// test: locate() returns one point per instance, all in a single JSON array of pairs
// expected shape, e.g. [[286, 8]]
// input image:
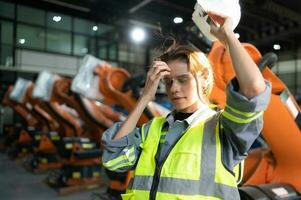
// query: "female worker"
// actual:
[[191, 153]]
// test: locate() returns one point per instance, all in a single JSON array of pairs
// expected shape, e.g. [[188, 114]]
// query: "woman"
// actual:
[[191, 153]]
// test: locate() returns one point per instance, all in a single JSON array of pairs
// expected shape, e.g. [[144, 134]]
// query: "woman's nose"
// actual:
[[174, 87]]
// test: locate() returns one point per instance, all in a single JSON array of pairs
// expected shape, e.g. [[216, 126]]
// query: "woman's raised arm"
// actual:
[[251, 82]]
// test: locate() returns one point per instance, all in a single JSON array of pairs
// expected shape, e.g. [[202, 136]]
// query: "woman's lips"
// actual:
[[177, 98]]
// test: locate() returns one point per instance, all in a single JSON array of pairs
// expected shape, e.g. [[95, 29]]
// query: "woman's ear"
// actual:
[[203, 78]]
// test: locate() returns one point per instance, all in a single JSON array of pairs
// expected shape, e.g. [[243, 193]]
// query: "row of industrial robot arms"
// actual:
[[65, 119]]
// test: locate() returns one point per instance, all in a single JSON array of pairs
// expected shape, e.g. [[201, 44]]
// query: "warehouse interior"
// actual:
[[70, 69]]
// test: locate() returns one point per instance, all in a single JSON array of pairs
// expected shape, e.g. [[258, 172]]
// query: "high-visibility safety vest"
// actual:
[[192, 170]]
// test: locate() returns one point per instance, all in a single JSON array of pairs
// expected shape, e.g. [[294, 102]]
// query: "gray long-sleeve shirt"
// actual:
[[241, 123]]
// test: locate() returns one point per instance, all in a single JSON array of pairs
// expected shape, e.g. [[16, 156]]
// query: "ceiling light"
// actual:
[[138, 34], [277, 46], [178, 20], [56, 18], [95, 28], [22, 41]]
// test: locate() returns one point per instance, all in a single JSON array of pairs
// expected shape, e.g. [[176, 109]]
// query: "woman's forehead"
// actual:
[[178, 67]]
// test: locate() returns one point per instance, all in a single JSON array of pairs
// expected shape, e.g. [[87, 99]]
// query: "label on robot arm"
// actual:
[[281, 192], [292, 107]]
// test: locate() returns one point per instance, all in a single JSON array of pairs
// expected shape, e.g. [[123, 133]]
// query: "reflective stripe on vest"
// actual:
[[197, 153]]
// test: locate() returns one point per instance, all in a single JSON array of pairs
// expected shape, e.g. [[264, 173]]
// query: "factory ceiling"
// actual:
[[263, 22]]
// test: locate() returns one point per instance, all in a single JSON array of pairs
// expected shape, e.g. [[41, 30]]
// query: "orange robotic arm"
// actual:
[[19, 109], [281, 162]]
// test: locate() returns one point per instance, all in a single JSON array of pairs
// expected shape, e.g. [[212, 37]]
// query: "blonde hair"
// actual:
[[198, 66]]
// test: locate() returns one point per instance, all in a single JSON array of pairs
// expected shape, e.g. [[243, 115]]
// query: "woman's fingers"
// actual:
[[162, 74], [225, 28], [220, 18], [160, 68], [153, 78], [157, 67], [160, 65], [158, 71], [216, 15], [216, 21], [159, 62], [159, 76]]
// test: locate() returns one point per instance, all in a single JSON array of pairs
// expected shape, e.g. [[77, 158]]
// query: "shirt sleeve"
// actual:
[[241, 123], [122, 155]]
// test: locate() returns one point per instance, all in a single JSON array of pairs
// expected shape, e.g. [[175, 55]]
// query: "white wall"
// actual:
[[37, 61], [287, 66], [289, 71], [34, 61]]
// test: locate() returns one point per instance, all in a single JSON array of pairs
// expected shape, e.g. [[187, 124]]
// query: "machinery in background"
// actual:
[[12, 132], [21, 139], [80, 155], [40, 140]]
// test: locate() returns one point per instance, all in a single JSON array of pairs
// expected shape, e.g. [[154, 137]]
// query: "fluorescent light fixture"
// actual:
[[95, 28], [277, 46], [138, 34], [237, 35], [57, 18], [178, 20], [22, 41]]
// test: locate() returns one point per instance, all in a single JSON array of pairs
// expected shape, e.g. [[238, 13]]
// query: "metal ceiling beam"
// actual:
[[258, 17], [68, 5], [175, 6], [157, 18], [139, 6], [278, 36], [247, 29], [282, 11]]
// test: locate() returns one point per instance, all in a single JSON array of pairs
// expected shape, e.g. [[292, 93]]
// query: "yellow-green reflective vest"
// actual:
[[193, 169]]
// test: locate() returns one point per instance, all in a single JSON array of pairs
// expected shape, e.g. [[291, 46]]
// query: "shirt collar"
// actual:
[[201, 114]]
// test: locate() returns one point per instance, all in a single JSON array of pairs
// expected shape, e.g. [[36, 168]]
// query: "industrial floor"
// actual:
[[18, 184]]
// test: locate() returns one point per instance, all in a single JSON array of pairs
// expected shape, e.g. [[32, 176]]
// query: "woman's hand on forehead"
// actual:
[[159, 67], [157, 71]]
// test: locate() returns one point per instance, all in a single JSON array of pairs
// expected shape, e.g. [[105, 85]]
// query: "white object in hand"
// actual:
[[230, 8]]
